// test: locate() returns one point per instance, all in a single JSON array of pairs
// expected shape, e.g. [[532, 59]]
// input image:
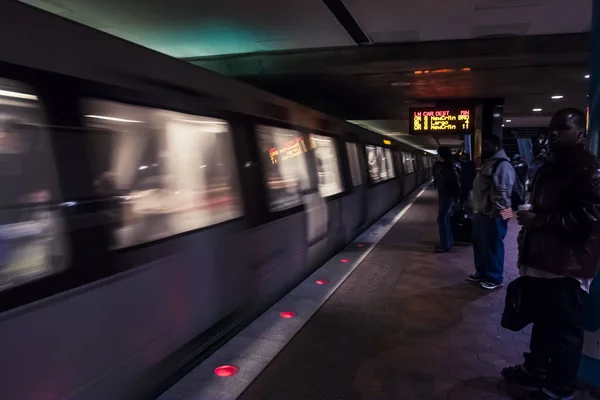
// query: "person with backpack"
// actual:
[[492, 191], [447, 182]]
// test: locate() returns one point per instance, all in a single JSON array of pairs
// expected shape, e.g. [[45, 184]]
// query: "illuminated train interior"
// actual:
[[140, 217]]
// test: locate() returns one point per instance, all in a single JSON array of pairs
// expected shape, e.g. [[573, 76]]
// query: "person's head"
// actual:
[[445, 153], [567, 128], [490, 146]]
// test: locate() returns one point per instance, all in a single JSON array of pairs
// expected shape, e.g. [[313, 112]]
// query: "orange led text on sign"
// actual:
[[441, 120]]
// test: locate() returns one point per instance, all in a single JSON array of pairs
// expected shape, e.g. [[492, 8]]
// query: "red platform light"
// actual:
[[322, 281], [225, 371], [344, 260], [287, 314], [360, 245]]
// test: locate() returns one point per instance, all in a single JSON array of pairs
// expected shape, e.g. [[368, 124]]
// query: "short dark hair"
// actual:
[[496, 140], [574, 115], [445, 153]]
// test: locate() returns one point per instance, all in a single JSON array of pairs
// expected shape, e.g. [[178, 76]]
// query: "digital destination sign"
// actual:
[[428, 121]]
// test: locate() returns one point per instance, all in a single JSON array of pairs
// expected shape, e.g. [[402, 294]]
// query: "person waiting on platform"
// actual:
[[559, 253], [446, 181], [492, 206]]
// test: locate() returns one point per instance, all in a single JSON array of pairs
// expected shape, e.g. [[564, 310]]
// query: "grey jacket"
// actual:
[[491, 194]]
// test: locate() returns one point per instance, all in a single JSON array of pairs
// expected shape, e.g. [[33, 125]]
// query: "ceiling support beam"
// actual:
[[345, 18], [374, 58]]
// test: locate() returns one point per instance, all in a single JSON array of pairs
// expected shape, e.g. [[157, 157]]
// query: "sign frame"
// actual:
[[452, 116]]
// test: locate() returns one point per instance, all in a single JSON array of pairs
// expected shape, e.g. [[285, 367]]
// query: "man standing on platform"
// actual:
[[446, 181], [492, 206], [559, 252]]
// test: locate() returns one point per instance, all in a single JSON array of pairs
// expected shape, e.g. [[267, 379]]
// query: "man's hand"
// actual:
[[525, 218]]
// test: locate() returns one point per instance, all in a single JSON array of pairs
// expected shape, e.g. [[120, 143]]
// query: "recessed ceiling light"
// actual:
[[557, 97], [496, 115], [503, 125], [587, 76], [537, 109], [509, 120], [400, 84]]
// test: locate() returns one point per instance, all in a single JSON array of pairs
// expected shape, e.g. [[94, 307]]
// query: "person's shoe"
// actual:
[[542, 394], [439, 249], [491, 285], [519, 376], [474, 278]]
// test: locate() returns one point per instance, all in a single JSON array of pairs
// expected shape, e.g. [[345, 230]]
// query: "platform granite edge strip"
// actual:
[[202, 384]]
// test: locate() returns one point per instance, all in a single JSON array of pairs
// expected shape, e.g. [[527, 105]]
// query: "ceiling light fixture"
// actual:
[[509, 120], [557, 97], [206, 122], [441, 71], [537, 110], [587, 76], [113, 119], [17, 95]]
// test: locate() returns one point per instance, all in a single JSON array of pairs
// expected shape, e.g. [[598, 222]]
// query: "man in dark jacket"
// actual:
[[448, 186], [559, 253]]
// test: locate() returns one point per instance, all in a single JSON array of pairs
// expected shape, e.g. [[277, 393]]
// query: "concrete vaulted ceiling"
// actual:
[[356, 59]]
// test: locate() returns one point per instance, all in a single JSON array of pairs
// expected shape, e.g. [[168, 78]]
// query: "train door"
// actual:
[[358, 170], [399, 171]]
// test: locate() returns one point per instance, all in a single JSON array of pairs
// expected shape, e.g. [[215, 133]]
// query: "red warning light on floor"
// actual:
[[287, 314], [360, 245], [226, 370], [344, 260], [322, 281]]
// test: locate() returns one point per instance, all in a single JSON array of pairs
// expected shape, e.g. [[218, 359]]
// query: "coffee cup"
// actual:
[[525, 207]]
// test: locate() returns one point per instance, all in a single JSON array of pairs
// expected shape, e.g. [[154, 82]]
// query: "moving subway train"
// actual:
[[148, 205]]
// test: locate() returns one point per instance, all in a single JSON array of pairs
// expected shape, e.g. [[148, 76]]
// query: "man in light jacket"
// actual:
[[492, 191]]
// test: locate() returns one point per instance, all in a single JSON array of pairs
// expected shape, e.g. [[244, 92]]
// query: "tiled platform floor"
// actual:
[[405, 325]]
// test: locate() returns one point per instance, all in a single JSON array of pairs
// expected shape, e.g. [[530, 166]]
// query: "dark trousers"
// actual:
[[557, 335], [488, 246], [445, 205]]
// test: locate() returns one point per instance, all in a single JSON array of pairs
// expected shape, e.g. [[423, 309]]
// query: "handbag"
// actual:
[[517, 307]]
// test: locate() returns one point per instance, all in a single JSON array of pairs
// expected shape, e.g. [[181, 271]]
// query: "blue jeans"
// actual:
[[445, 204], [488, 247]]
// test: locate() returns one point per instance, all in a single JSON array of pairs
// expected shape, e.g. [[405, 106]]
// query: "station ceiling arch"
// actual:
[[359, 59]]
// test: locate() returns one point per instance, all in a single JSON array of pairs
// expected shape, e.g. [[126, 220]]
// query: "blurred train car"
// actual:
[[148, 205]]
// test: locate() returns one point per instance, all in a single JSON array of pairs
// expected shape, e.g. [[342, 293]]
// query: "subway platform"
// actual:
[[402, 324]]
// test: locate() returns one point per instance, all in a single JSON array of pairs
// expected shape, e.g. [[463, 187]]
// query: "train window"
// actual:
[[408, 162], [328, 167], [354, 164], [285, 166], [379, 169], [172, 172], [32, 225], [390, 163]]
